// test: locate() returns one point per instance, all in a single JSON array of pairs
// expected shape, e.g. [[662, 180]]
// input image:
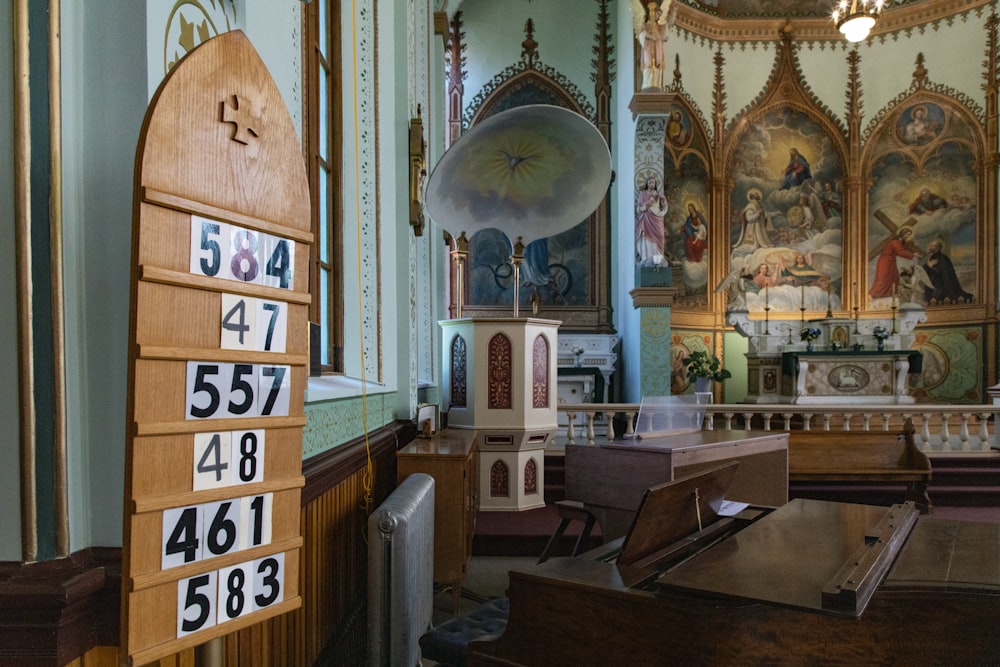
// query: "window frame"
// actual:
[[319, 160]]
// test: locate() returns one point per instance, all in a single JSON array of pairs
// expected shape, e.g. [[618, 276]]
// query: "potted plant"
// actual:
[[880, 333], [809, 334], [703, 369]]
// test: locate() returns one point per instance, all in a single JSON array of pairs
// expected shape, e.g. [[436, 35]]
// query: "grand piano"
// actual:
[[700, 581]]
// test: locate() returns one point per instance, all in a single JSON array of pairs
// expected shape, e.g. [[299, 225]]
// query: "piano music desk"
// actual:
[[610, 478]]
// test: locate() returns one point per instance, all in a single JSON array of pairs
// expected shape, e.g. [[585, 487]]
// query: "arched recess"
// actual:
[[786, 183], [674, 150], [566, 275], [931, 238]]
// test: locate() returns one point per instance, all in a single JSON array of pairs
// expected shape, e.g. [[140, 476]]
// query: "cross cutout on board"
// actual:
[[240, 114], [893, 230]]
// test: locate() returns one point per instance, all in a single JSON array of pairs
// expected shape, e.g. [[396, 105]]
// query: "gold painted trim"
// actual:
[[22, 242], [653, 297], [895, 19], [59, 457]]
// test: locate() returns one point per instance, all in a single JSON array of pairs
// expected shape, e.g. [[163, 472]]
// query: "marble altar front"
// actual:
[[848, 363]]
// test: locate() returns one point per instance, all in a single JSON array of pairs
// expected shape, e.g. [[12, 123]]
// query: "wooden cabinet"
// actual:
[[450, 458]]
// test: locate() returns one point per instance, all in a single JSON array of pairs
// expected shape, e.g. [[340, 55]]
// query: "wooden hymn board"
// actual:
[[218, 354]]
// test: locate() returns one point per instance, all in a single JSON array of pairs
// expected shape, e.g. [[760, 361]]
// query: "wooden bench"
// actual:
[[861, 456]]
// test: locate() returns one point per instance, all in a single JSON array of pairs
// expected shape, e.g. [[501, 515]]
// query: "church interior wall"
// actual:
[[104, 98], [494, 33], [10, 486], [108, 90]]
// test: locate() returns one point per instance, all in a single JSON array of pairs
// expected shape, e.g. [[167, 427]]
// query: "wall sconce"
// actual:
[[418, 172]]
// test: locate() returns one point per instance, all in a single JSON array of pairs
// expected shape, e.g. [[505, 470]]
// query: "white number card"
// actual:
[[226, 251], [200, 532], [215, 597], [253, 324], [218, 390]]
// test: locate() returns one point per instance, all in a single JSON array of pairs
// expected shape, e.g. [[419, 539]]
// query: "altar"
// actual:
[[863, 376], [849, 361]]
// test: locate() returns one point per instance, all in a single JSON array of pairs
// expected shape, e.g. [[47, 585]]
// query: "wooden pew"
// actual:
[[861, 456]]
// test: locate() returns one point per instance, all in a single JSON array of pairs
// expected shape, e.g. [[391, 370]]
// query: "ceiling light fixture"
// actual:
[[856, 18]]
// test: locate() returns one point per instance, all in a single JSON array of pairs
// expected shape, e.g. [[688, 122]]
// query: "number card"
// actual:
[[235, 591], [216, 597], [253, 324], [218, 390], [196, 603], [226, 251], [256, 515], [228, 458], [201, 532]]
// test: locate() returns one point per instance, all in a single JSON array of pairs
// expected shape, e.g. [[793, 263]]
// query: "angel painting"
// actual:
[[650, 24]]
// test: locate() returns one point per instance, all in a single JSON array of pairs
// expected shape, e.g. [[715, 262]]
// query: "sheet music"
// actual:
[[732, 508]]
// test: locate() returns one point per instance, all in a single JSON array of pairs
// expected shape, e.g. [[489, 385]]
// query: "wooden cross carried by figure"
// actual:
[[893, 230]]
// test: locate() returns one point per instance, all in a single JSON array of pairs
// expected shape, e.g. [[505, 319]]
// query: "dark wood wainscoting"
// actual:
[[65, 613]]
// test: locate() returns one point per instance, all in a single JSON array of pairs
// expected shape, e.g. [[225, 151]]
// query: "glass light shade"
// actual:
[[856, 28]]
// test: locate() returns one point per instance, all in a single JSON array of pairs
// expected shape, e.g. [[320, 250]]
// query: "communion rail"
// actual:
[[940, 428]]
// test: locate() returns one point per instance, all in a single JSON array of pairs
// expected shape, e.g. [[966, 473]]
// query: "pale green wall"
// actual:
[[104, 99], [10, 489]]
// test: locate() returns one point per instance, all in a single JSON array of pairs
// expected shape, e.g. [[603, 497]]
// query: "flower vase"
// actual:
[[578, 362], [881, 345], [809, 346], [702, 385]]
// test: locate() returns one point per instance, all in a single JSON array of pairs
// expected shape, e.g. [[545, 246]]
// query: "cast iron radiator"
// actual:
[[401, 573]]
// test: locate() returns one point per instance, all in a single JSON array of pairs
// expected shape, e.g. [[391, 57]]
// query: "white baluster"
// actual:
[[963, 431], [866, 421], [590, 426], [629, 428], [826, 421], [728, 416], [847, 421], [767, 420], [945, 434], [984, 430], [787, 416], [570, 418], [885, 421]]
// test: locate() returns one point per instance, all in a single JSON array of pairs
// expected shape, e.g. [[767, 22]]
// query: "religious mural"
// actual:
[[672, 212], [922, 211], [555, 269], [786, 221], [952, 368]]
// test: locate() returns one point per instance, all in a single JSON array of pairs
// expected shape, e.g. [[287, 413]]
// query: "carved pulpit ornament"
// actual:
[[418, 172]]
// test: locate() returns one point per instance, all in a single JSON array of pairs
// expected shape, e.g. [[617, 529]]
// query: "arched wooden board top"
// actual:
[[225, 141]]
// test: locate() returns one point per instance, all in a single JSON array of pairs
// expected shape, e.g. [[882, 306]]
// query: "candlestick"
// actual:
[[767, 311], [829, 302], [856, 319]]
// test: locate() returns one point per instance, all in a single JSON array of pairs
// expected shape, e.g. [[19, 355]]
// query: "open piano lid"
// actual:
[[810, 554], [673, 511]]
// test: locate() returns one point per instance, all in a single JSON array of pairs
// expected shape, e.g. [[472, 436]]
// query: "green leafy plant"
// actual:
[[702, 365], [810, 334]]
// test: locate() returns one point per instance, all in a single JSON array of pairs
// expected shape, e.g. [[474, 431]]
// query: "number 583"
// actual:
[[222, 595]]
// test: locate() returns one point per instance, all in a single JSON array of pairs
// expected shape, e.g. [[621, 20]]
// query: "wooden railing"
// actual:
[[940, 428]]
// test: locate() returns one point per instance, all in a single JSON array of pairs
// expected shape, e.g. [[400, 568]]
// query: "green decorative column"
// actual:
[[654, 341]]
